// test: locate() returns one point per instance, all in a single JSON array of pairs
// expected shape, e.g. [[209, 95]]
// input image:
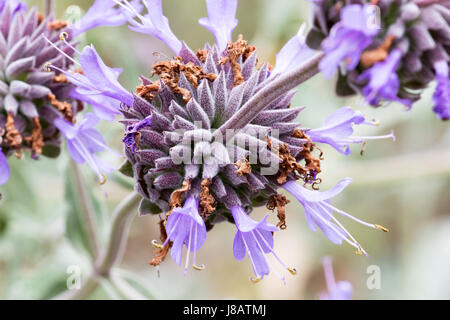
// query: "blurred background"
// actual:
[[403, 185]]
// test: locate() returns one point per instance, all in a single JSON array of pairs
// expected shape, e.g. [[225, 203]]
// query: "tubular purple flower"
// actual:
[[337, 130], [342, 290], [104, 107], [133, 131], [153, 23], [221, 20], [294, 52], [185, 227], [83, 141], [97, 78], [319, 212], [383, 80], [4, 168], [104, 13], [348, 39], [441, 97], [255, 239]]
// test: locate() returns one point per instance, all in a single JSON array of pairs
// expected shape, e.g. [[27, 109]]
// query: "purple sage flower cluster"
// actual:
[[42, 89], [184, 169], [386, 50]]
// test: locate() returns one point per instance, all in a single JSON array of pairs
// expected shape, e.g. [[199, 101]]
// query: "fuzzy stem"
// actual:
[[270, 92], [88, 211], [122, 217], [49, 6]]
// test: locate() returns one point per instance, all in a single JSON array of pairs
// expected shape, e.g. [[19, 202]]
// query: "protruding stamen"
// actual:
[[156, 244], [103, 180], [293, 271], [47, 66], [63, 36], [255, 280], [199, 268], [61, 51], [381, 228]]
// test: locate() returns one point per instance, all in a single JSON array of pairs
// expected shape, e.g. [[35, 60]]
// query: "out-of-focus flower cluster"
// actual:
[[385, 50]]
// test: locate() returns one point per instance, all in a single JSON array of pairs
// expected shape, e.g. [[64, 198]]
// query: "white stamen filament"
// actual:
[[267, 261], [345, 214], [62, 52], [356, 243], [188, 248], [332, 226], [132, 10], [63, 37], [251, 258]]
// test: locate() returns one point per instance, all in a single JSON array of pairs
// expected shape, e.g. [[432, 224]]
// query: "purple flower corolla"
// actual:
[[83, 141], [103, 13], [293, 53], [341, 290], [14, 5], [441, 97], [97, 79], [185, 227], [348, 39], [383, 80], [337, 130], [133, 131], [153, 23], [221, 20], [4, 168], [104, 107], [255, 239], [319, 212]]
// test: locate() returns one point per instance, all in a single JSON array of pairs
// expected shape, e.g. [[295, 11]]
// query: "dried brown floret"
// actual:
[[40, 17], [175, 197], [312, 163], [169, 72], [13, 137], [202, 54], [207, 201], [64, 107], [60, 78], [235, 50], [36, 140], [161, 252], [57, 25], [370, 57], [244, 167], [279, 201], [148, 92]]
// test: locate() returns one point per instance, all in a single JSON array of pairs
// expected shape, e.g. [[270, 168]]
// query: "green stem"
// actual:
[[88, 211], [49, 7], [122, 217], [274, 89]]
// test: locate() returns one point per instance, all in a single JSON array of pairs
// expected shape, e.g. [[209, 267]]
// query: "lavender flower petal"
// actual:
[[337, 130], [293, 53], [221, 20], [83, 141], [441, 97], [154, 23], [4, 168], [104, 13], [383, 80], [185, 227]]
